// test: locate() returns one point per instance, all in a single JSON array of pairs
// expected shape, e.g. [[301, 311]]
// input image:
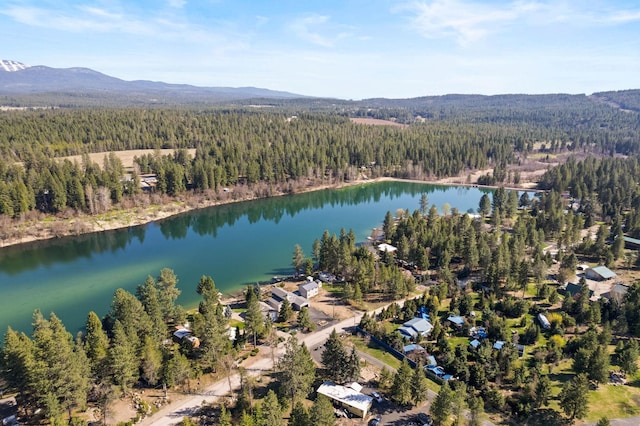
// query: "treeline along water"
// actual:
[[236, 244]]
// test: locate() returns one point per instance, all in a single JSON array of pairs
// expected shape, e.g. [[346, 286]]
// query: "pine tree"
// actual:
[[123, 363], [574, 398], [96, 343], [151, 361], [286, 311], [271, 414], [401, 388], [321, 412], [296, 370], [299, 416], [254, 319], [419, 385], [441, 409], [334, 358]]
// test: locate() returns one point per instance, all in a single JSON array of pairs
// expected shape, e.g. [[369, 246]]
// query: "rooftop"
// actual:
[[346, 395]]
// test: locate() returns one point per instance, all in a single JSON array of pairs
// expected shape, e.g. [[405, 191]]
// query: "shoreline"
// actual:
[[52, 227]]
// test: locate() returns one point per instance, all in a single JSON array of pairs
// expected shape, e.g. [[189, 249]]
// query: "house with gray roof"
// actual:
[[415, 327], [600, 273]]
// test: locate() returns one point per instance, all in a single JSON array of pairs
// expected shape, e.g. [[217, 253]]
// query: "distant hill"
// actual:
[[86, 86]]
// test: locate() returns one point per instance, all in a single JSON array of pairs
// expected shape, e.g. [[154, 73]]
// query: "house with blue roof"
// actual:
[[456, 320], [415, 327]]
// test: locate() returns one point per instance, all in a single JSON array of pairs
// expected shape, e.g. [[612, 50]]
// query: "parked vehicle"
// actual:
[[424, 419], [377, 396]]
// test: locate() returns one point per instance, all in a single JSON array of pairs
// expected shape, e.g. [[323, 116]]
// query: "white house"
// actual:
[[309, 289], [347, 397]]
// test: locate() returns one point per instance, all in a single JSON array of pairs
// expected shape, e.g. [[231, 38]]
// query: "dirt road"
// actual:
[[174, 413]]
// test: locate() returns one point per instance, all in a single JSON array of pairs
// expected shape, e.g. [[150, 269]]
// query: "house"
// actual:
[[474, 343], [412, 348], [183, 334], [326, 277], [631, 243], [309, 289], [600, 273], [384, 247], [278, 295], [499, 344], [355, 402], [415, 327], [544, 322], [574, 289], [456, 320], [617, 293]]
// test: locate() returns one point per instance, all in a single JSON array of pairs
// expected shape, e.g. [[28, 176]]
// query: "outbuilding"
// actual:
[[355, 402], [309, 289], [600, 273]]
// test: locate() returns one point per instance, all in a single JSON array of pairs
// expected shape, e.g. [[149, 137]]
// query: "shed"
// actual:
[[600, 273], [498, 344], [347, 397], [474, 343]]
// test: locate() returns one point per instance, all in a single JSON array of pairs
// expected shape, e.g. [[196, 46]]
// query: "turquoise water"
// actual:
[[236, 244]]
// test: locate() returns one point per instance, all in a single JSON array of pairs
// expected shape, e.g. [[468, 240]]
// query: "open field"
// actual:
[[376, 122], [125, 156]]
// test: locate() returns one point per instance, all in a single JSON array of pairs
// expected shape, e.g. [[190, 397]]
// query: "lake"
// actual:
[[236, 244]]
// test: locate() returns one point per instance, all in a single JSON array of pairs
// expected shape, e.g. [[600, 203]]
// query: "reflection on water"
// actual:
[[235, 243]]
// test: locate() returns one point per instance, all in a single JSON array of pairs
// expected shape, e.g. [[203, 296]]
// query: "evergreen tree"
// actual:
[[298, 258], [304, 322], [96, 343], [296, 370], [286, 311], [441, 409], [574, 398], [225, 416], [59, 376], [299, 416], [321, 413], [401, 388], [335, 358], [628, 357], [271, 412], [123, 363], [151, 365], [254, 319], [419, 385]]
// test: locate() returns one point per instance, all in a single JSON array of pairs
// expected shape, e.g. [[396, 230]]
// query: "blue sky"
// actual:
[[349, 49]]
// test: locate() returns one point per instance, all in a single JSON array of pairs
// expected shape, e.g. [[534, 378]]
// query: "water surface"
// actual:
[[236, 244]]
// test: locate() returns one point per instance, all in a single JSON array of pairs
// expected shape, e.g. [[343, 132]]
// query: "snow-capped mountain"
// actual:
[[78, 84], [6, 65]]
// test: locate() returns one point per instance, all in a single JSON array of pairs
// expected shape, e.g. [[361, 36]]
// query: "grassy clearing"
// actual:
[[376, 351]]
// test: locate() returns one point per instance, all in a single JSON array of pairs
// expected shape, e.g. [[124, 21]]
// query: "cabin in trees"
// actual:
[[183, 334], [347, 397], [384, 247], [600, 273]]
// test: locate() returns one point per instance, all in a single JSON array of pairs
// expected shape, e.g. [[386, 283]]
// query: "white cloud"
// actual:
[[315, 29], [464, 21], [467, 21], [176, 4]]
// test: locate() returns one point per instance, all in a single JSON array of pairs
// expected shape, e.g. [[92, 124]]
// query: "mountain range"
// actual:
[[18, 79]]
